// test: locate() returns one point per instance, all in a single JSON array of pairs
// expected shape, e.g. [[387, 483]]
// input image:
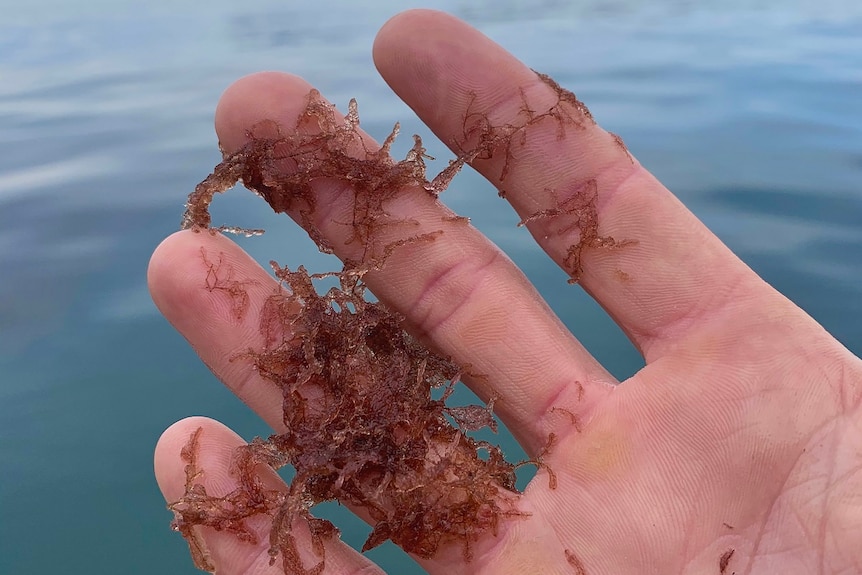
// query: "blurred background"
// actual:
[[750, 112]]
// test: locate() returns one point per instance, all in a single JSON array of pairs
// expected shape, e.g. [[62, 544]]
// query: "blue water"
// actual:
[[751, 113]]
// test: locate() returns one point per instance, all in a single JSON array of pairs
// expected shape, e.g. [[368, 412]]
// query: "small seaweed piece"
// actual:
[[581, 115], [474, 417], [219, 280], [184, 522], [482, 140], [724, 560], [575, 562], [581, 214]]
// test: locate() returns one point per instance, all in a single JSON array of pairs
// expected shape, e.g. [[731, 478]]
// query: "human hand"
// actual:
[[737, 449]]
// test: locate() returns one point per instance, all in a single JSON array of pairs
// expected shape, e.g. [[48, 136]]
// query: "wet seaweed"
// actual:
[[360, 425]]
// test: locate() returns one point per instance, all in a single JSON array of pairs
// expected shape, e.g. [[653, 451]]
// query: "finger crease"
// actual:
[[441, 302]]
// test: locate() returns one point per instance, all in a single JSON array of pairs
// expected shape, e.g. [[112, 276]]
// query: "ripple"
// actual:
[[48, 177]]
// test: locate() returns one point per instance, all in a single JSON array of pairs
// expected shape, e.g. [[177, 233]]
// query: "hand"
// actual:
[[737, 449]]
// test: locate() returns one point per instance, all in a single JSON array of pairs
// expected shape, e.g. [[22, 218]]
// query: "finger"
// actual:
[[229, 555], [459, 292], [647, 260], [190, 278]]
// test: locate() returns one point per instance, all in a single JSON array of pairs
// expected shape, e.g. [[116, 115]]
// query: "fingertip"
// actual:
[[172, 281], [409, 37], [404, 25], [181, 268], [436, 63], [275, 96], [215, 449], [163, 258], [215, 446]]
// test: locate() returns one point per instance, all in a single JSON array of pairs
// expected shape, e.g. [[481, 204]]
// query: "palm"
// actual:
[[742, 433], [695, 462]]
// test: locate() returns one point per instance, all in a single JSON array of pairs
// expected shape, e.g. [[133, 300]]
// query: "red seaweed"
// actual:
[[360, 425]]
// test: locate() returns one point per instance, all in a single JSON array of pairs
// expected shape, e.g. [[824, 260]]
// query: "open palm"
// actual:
[[737, 449]]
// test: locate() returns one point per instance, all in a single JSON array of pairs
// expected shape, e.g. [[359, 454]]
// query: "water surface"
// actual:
[[750, 112]]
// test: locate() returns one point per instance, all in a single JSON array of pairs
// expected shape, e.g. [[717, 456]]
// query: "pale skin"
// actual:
[[743, 432]]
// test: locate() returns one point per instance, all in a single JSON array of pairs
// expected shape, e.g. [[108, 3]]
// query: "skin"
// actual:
[[743, 432]]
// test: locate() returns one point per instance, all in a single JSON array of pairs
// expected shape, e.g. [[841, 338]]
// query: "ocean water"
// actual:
[[751, 113]]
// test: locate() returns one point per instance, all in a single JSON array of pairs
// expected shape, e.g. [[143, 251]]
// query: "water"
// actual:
[[750, 112]]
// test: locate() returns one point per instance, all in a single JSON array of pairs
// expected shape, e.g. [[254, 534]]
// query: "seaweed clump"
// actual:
[[361, 427], [360, 422]]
